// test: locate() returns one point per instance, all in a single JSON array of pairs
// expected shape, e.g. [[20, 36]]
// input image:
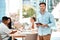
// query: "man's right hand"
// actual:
[[13, 32]]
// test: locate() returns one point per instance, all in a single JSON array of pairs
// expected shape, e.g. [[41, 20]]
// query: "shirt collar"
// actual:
[[43, 14], [3, 23]]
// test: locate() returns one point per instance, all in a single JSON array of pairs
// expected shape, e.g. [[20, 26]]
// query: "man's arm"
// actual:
[[51, 21], [7, 30]]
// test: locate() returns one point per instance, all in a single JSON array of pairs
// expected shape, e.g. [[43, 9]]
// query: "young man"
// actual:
[[4, 30], [47, 21]]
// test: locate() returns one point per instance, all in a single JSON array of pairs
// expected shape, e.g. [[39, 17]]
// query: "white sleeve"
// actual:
[[6, 30]]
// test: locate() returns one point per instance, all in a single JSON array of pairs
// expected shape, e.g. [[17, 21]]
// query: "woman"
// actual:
[[10, 27], [10, 24], [33, 25]]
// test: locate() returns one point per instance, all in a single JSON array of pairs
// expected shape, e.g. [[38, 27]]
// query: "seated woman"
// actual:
[[10, 24], [33, 25], [10, 27]]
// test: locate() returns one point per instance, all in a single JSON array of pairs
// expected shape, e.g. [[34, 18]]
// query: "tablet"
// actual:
[[39, 23]]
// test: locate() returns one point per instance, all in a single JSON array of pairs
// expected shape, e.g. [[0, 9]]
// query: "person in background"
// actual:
[[10, 27], [4, 30], [18, 26], [33, 25], [10, 24], [46, 21]]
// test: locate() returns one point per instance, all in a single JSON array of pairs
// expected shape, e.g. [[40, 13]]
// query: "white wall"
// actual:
[[12, 6]]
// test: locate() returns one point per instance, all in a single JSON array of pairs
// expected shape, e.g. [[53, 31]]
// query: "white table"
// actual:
[[22, 35]]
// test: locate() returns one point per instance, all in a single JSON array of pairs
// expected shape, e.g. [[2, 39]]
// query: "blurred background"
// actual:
[[23, 9]]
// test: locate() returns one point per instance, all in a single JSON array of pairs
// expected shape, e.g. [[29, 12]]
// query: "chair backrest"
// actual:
[[0, 37], [0, 34], [0, 21]]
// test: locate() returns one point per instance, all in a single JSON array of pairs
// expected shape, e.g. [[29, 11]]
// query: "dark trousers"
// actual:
[[46, 37], [10, 38]]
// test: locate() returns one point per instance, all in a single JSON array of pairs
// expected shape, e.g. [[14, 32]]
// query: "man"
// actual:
[[46, 21], [4, 30]]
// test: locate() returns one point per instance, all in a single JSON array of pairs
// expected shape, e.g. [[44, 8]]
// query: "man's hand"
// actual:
[[13, 32], [44, 25]]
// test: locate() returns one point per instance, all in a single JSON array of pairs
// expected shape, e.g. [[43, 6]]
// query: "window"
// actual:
[[2, 8], [28, 8], [14, 9]]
